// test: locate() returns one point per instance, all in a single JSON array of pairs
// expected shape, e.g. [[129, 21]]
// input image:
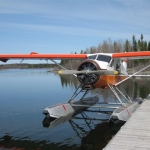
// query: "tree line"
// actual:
[[26, 66], [109, 46]]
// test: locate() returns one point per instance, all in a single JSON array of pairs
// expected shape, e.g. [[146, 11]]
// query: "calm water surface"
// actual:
[[25, 93]]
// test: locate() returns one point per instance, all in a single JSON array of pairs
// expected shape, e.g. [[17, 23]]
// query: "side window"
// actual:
[[112, 63]]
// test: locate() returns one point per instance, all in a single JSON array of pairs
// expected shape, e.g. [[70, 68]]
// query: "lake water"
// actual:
[[25, 93]]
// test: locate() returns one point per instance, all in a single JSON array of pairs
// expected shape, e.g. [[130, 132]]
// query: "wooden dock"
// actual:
[[135, 134]]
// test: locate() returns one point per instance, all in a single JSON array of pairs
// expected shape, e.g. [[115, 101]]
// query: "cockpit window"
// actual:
[[112, 63], [92, 57], [104, 58]]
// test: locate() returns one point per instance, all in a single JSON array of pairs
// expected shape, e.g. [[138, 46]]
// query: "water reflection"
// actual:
[[9, 142], [139, 87], [53, 122], [95, 132], [69, 80], [96, 139], [135, 87]]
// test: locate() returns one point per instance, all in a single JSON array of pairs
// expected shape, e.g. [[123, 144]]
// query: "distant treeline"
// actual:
[[26, 66], [109, 46]]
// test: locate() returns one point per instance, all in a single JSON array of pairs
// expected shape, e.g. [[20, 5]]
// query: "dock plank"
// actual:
[[135, 134]]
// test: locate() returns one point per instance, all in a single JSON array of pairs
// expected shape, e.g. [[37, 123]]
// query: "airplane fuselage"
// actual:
[[101, 61]]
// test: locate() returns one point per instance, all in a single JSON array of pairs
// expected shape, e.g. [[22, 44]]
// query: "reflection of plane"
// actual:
[[100, 70], [94, 132], [54, 120]]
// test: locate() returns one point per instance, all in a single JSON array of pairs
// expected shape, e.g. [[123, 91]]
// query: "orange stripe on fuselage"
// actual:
[[108, 79]]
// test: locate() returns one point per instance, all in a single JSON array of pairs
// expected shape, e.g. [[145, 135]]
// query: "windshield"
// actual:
[[104, 58], [92, 57]]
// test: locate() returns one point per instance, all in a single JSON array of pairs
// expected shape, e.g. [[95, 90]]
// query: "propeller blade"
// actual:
[[105, 72], [71, 71]]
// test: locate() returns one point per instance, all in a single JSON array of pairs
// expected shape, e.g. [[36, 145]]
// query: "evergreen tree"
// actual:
[[127, 46], [85, 52], [81, 51], [148, 46], [145, 46], [91, 50], [134, 48], [115, 46], [142, 37], [139, 45], [134, 44]]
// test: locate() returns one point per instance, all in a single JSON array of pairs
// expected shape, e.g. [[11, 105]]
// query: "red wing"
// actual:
[[132, 55], [33, 55]]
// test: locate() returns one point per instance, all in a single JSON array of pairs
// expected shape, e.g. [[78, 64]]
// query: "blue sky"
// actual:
[[67, 26]]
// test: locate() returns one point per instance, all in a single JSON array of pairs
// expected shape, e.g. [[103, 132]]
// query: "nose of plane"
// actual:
[[90, 65]]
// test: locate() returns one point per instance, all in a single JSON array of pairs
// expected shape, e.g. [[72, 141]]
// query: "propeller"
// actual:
[[100, 72]]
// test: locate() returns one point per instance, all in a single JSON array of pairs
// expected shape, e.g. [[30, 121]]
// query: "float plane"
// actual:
[[99, 70]]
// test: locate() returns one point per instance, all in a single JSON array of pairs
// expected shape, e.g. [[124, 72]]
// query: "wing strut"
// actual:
[[77, 93], [61, 66], [115, 89], [132, 75], [116, 94], [128, 99], [58, 64]]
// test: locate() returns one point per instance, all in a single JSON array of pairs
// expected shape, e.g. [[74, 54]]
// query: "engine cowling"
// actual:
[[88, 79]]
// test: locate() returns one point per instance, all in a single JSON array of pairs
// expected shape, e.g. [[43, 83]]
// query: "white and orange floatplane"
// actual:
[[99, 70]]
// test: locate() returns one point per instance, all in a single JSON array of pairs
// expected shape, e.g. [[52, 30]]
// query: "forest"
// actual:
[[109, 46], [26, 66]]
